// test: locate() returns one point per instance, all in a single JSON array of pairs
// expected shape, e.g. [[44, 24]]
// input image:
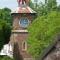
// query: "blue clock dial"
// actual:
[[24, 22]]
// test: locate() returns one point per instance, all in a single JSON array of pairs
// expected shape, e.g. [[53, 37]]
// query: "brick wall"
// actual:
[[19, 53], [16, 20], [17, 38]]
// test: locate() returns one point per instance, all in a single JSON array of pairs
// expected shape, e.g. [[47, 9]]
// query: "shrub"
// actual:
[[42, 31]]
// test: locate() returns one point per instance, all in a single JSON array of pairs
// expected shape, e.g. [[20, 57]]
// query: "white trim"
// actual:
[[31, 11], [23, 46], [19, 30], [7, 50]]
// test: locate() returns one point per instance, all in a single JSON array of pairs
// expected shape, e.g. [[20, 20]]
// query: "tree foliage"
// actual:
[[31, 4], [5, 26], [42, 32], [52, 4], [5, 58], [5, 14], [45, 8], [58, 8], [5, 31]]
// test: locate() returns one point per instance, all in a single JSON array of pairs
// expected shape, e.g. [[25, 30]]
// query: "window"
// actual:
[[24, 46]]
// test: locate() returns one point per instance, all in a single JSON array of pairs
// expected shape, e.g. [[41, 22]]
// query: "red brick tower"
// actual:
[[22, 18]]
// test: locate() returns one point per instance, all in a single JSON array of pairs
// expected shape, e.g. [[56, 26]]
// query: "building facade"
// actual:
[[22, 18]]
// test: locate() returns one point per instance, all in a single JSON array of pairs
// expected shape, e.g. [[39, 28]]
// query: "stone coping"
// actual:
[[18, 31]]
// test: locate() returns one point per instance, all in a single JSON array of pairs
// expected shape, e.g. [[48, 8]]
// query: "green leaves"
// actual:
[[5, 31], [42, 32], [52, 4], [5, 26], [5, 14], [5, 58]]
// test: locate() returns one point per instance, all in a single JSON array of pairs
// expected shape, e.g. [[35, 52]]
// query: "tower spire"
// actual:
[[22, 2]]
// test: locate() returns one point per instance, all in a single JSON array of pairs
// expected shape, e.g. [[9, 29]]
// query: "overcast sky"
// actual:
[[12, 4]]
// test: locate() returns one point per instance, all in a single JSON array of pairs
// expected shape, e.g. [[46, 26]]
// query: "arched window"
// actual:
[[24, 46]]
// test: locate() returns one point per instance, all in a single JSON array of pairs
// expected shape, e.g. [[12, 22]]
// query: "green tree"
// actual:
[[58, 8], [42, 32], [36, 3], [46, 1], [31, 4], [5, 31], [44, 9], [5, 58], [41, 9], [52, 4], [5, 14]]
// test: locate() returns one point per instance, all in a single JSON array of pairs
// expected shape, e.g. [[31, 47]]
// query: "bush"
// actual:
[[42, 31], [5, 58]]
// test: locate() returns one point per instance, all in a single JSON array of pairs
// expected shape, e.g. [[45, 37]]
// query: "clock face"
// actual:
[[24, 22]]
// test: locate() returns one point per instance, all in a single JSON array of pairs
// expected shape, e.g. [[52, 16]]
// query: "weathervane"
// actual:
[[22, 2]]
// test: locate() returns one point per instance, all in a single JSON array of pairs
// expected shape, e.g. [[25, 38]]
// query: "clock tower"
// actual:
[[22, 18]]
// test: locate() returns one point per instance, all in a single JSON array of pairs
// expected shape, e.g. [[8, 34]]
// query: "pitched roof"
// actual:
[[23, 9]]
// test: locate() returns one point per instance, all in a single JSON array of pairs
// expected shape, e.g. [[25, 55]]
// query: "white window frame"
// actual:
[[23, 46]]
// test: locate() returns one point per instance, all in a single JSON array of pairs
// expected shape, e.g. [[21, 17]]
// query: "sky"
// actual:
[[12, 4]]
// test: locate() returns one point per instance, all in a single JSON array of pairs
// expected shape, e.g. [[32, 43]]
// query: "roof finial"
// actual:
[[22, 2]]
